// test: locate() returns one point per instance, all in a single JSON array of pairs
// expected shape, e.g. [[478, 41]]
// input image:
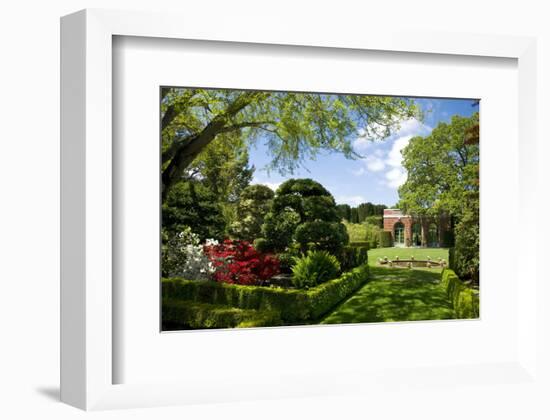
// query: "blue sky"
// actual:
[[377, 176]]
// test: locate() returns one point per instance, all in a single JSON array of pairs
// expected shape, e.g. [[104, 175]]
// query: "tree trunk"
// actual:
[[187, 152]]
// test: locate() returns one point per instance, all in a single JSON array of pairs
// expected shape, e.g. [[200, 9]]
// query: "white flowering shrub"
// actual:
[[183, 256]]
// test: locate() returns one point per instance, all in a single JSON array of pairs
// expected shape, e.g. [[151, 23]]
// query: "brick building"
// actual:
[[408, 230]]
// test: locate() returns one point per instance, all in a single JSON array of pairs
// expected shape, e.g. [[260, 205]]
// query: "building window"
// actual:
[[399, 233]]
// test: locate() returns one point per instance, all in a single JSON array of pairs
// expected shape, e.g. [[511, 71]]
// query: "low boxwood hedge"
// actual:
[[465, 300], [294, 306], [187, 314]]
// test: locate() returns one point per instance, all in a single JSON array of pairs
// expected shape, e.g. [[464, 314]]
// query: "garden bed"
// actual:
[[294, 306]]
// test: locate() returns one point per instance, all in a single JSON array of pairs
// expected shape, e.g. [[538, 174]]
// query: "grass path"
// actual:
[[396, 294]]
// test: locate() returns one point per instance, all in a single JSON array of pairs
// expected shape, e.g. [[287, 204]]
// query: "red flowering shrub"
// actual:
[[238, 262]]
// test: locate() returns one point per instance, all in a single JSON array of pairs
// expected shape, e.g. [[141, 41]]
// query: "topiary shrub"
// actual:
[[385, 240], [305, 212], [321, 235], [314, 268]]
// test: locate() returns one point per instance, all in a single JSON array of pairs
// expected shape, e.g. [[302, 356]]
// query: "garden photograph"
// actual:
[[283, 208]]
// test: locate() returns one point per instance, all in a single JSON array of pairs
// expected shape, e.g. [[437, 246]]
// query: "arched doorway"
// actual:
[[399, 234], [433, 235], [416, 234]]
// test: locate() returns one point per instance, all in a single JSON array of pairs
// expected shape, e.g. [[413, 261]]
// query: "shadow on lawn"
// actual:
[[395, 294]]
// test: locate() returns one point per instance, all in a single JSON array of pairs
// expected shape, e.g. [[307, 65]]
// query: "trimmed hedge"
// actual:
[[353, 256], [204, 315], [386, 240], [359, 244], [294, 306], [323, 298], [465, 300]]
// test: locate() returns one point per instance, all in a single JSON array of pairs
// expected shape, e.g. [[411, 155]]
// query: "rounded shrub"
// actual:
[[305, 212], [319, 234], [314, 268]]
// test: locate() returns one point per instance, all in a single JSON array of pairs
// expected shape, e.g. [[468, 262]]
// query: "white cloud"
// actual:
[[413, 127], [380, 157], [396, 177], [272, 185], [359, 172], [362, 144], [395, 156], [352, 200], [374, 163]]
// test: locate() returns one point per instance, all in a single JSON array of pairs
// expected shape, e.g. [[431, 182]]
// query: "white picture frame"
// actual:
[[86, 205]]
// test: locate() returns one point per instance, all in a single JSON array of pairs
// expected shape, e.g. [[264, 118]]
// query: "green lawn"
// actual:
[[406, 253], [397, 294]]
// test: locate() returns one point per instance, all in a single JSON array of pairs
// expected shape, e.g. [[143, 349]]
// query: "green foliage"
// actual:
[[443, 169], [278, 228], [377, 221], [191, 204], [356, 231], [385, 240], [364, 232], [359, 244], [372, 235], [261, 245], [223, 167], [323, 298], [395, 295], [443, 178], [321, 235], [448, 239], [465, 255], [344, 211], [286, 261], [183, 255], [303, 211], [296, 126], [369, 210], [353, 256], [465, 300], [314, 268], [254, 203], [295, 306], [192, 315]]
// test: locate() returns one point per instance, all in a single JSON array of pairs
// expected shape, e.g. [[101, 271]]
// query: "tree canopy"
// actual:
[[443, 177], [296, 126], [442, 168]]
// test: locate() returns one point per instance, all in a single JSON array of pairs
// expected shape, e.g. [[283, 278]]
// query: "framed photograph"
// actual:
[[241, 219]]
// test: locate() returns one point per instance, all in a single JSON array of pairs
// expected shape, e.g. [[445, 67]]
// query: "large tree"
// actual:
[[442, 168], [295, 125], [443, 177]]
